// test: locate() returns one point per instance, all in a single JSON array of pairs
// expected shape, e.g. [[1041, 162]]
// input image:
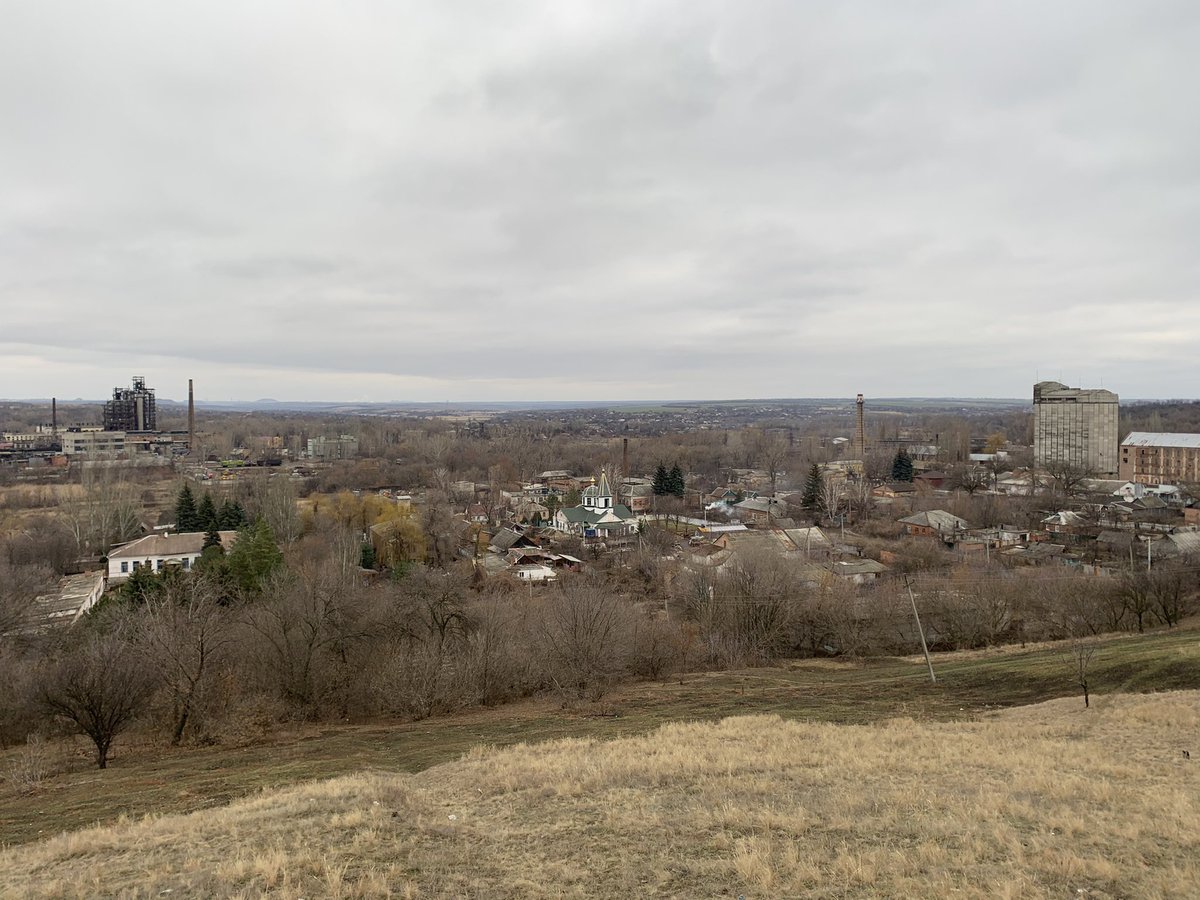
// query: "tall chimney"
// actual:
[[624, 457], [191, 419], [54, 415], [860, 432]]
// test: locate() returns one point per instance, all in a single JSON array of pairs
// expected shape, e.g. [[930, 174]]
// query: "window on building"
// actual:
[[124, 567]]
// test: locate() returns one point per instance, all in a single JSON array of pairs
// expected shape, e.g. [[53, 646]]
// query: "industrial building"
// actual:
[[1158, 458], [93, 442], [1077, 426], [131, 409], [342, 447]]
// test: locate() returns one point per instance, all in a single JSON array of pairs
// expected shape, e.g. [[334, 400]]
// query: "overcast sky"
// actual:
[[459, 200]]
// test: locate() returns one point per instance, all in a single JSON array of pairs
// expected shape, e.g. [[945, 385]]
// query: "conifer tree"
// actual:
[[675, 483], [661, 484], [231, 516], [206, 510], [187, 518], [254, 555], [212, 538], [812, 487], [902, 467]]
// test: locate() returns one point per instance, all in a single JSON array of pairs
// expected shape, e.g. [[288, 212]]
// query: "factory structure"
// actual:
[[128, 428], [131, 409]]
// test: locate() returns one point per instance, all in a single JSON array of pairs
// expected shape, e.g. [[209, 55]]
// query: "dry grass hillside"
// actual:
[[1049, 800]]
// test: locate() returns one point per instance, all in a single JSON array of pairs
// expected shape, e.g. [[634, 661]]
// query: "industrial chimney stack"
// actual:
[[54, 415], [860, 431], [191, 418]]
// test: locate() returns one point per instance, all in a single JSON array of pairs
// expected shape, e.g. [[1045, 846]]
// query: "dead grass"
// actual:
[[1051, 800]]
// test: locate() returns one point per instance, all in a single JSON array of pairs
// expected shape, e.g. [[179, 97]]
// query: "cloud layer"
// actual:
[[519, 200]]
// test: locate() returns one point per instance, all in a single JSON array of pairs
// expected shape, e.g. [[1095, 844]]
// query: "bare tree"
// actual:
[[100, 687], [275, 500], [1171, 597], [769, 451], [1079, 654], [832, 498], [105, 512], [1066, 477], [584, 637], [185, 631], [19, 587], [968, 478]]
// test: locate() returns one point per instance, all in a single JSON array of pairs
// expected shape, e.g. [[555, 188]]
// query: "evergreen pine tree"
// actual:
[[367, 555], [675, 483], [254, 555], [142, 586], [661, 481], [212, 538], [187, 519], [902, 467], [813, 484], [206, 510], [231, 516]]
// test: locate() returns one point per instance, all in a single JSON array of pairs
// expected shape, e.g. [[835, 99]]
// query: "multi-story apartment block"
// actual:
[[1076, 426], [1157, 458]]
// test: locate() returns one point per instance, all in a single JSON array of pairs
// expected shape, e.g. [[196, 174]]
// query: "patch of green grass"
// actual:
[[144, 781]]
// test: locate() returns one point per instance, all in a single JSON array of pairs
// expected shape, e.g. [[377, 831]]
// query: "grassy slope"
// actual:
[[158, 781], [1050, 800]]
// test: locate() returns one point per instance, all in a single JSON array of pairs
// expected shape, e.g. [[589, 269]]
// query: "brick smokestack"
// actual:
[[54, 415], [624, 457], [860, 431], [191, 418]]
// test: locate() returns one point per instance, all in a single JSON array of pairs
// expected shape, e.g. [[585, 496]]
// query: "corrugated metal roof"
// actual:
[[1161, 439]]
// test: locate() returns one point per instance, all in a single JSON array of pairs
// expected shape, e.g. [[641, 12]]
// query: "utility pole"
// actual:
[[920, 630]]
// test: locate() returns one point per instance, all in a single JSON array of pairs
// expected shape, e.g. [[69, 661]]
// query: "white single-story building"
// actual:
[[536, 573], [157, 551]]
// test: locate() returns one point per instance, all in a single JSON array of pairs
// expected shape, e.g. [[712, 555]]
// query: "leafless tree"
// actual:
[[832, 498], [1172, 593], [105, 512], [584, 637], [1080, 653], [185, 631], [100, 687], [19, 587], [1137, 596], [275, 499], [967, 478], [1066, 477], [769, 450]]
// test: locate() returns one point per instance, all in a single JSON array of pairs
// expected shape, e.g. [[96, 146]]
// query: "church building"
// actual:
[[597, 515]]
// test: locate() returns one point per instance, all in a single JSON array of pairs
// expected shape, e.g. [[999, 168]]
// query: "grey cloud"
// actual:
[[395, 202]]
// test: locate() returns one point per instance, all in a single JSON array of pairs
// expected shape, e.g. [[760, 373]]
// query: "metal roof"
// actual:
[[1161, 439]]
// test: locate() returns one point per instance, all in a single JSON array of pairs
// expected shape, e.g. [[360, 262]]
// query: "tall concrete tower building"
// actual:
[[1075, 425]]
